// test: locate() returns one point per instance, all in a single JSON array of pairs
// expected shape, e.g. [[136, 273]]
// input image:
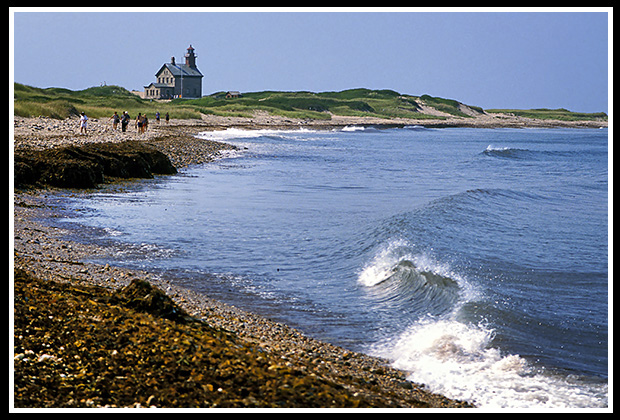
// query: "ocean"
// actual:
[[474, 259]]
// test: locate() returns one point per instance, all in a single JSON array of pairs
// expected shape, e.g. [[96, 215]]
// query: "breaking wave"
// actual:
[[509, 152], [454, 356], [238, 133], [399, 277], [459, 361]]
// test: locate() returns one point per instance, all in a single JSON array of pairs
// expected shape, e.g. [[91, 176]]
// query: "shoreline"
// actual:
[[45, 132], [45, 252]]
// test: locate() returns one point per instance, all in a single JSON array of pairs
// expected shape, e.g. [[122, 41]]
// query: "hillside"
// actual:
[[559, 114], [386, 104], [103, 101], [96, 102]]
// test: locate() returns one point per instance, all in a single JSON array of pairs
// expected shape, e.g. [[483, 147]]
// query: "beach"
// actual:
[[43, 132], [43, 253]]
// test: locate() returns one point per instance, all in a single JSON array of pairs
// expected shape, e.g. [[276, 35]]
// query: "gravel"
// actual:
[[307, 370]]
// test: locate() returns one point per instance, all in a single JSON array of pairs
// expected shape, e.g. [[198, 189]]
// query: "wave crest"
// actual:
[[508, 152], [399, 278]]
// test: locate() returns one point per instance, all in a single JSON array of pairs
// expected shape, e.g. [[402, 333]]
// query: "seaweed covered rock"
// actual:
[[78, 346], [88, 165], [141, 296]]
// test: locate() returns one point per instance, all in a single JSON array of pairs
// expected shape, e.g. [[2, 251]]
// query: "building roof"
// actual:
[[179, 70], [158, 85]]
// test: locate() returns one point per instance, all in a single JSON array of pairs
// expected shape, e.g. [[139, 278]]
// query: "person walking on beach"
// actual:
[[83, 122], [115, 120], [139, 121], [145, 123], [125, 121], [157, 117], [167, 118]]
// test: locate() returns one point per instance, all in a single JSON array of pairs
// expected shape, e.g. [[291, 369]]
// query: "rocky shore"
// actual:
[[83, 337], [94, 335]]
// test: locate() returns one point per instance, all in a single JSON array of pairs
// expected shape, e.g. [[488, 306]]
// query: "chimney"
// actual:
[[172, 61]]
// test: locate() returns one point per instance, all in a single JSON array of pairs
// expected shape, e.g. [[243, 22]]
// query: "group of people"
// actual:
[[141, 122]]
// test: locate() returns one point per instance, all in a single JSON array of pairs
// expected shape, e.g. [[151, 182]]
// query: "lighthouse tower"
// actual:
[[176, 80], [190, 57]]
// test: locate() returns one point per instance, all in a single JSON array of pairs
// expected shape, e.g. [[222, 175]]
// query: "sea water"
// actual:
[[474, 259]]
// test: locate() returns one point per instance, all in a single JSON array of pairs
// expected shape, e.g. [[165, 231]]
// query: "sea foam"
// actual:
[[459, 361], [458, 358]]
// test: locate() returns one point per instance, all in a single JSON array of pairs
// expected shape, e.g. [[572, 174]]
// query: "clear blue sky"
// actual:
[[505, 59]]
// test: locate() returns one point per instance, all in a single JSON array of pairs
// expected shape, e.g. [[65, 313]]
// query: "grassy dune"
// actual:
[[99, 102]]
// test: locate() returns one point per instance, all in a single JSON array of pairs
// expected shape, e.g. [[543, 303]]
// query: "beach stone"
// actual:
[[112, 351], [144, 297], [87, 165]]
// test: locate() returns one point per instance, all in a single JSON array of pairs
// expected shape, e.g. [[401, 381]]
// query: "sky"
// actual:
[[485, 57]]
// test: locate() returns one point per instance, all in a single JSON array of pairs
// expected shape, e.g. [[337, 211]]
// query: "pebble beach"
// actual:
[[64, 355], [280, 366]]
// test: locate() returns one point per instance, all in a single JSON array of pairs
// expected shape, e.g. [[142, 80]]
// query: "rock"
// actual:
[[142, 296], [88, 165]]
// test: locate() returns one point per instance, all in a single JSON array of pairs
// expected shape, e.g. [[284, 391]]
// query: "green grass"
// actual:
[[353, 102], [96, 102], [102, 101], [560, 114]]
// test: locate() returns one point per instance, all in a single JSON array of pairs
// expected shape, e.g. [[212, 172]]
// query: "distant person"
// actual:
[[83, 123], [139, 121], [145, 123], [157, 117], [167, 118], [115, 120], [125, 121]]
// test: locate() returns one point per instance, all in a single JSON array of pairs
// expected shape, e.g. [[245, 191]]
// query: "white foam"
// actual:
[[353, 128], [415, 127], [112, 232], [491, 148], [381, 267], [229, 134], [456, 360], [238, 133]]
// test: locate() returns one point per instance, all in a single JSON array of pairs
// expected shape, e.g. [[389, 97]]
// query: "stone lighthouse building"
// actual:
[[176, 80]]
